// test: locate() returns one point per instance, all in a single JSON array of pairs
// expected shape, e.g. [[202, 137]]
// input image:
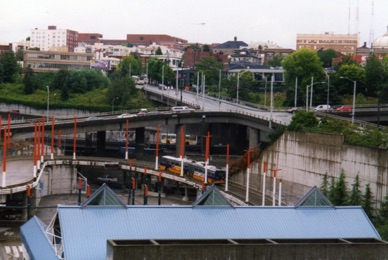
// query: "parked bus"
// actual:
[[171, 139]]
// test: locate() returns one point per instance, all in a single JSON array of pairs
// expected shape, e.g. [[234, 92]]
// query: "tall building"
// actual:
[[53, 38], [343, 43]]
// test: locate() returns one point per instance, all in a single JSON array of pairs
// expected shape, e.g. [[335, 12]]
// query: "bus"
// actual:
[[138, 80], [171, 139]]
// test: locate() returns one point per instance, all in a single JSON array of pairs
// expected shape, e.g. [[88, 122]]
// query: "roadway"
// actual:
[[208, 103]]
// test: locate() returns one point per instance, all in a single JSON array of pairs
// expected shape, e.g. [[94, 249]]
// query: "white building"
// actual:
[[47, 39]]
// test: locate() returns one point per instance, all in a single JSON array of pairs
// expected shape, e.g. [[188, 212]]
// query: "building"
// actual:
[[45, 61], [160, 39], [47, 39], [343, 43], [228, 48], [379, 48], [89, 38], [103, 227], [269, 53]]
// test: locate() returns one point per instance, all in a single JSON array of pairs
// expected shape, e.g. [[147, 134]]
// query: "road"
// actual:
[[213, 104]]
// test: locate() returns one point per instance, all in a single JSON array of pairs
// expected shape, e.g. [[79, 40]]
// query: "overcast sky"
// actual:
[[206, 21]]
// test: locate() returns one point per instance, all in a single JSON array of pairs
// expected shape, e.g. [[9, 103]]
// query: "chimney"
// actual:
[[235, 38], [52, 27]]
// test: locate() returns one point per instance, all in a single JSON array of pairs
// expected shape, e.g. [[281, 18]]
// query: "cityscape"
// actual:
[[173, 130]]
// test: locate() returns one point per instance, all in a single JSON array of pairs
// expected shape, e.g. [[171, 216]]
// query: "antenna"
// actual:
[[357, 15], [349, 19], [371, 32]]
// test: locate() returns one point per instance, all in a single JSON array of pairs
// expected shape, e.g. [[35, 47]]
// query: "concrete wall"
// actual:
[[58, 179], [304, 158]]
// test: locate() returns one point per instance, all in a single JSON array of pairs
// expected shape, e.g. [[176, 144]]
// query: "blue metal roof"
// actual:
[[86, 230], [35, 240]]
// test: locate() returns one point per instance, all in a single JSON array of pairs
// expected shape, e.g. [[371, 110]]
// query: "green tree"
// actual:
[[60, 79], [347, 75], [77, 82], [375, 75], [206, 48], [367, 204], [130, 66], [327, 56], [276, 60], [159, 51], [303, 120], [325, 185], [10, 67], [160, 71], [355, 197], [383, 211], [210, 66], [123, 90], [28, 81], [64, 93], [302, 64], [332, 190], [340, 191]]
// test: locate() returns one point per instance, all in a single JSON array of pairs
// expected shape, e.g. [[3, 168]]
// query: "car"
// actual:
[[292, 109], [181, 109], [162, 87], [91, 118], [126, 115], [323, 108], [142, 112], [344, 109]]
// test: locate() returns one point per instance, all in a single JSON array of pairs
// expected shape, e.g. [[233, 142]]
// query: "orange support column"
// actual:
[[75, 138], [52, 138]]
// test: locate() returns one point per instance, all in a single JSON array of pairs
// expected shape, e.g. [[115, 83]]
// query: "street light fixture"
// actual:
[[307, 94], [354, 96], [48, 102], [238, 82], [113, 103]]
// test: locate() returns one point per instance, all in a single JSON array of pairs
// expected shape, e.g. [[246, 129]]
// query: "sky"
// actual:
[[204, 21]]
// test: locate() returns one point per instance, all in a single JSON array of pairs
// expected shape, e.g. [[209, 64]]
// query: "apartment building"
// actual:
[[51, 38], [45, 61], [342, 43]]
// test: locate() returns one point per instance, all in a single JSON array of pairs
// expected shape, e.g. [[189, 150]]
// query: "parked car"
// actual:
[[323, 108], [126, 115], [142, 112], [344, 109], [181, 109], [162, 87], [292, 109]]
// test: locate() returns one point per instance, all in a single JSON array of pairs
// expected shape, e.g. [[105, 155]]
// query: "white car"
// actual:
[[125, 115], [323, 108]]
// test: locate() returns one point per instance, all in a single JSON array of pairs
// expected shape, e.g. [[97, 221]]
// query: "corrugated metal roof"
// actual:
[[86, 230], [35, 241]]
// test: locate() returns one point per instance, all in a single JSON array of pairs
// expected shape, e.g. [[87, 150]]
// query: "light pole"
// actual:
[[48, 102], [307, 94], [354, 96], [113, 103], [328, 89], [219, 88], [238, 82], [271, 103]]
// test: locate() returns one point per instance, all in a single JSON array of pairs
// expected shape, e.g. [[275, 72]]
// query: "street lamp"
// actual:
[[48, 102], [238, 82], [307, 94], [113, 103], [328, 89], [354, 96]]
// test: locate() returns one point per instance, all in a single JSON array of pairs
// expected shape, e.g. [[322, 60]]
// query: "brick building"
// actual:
[[342, 43], [46, 39]]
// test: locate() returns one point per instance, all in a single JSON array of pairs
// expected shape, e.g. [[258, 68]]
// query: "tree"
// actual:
[[375, 75], [340, 191], [206, 48], [368, 202], [28, 81], [327, 56], [355, 197], [325, 185], [130, 66], [210, 66], [123, 89], [276, 60], [302, 64], [352, 72], [303, 120], [10, 67], [383, 211], [332, 190], [159, 51]]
